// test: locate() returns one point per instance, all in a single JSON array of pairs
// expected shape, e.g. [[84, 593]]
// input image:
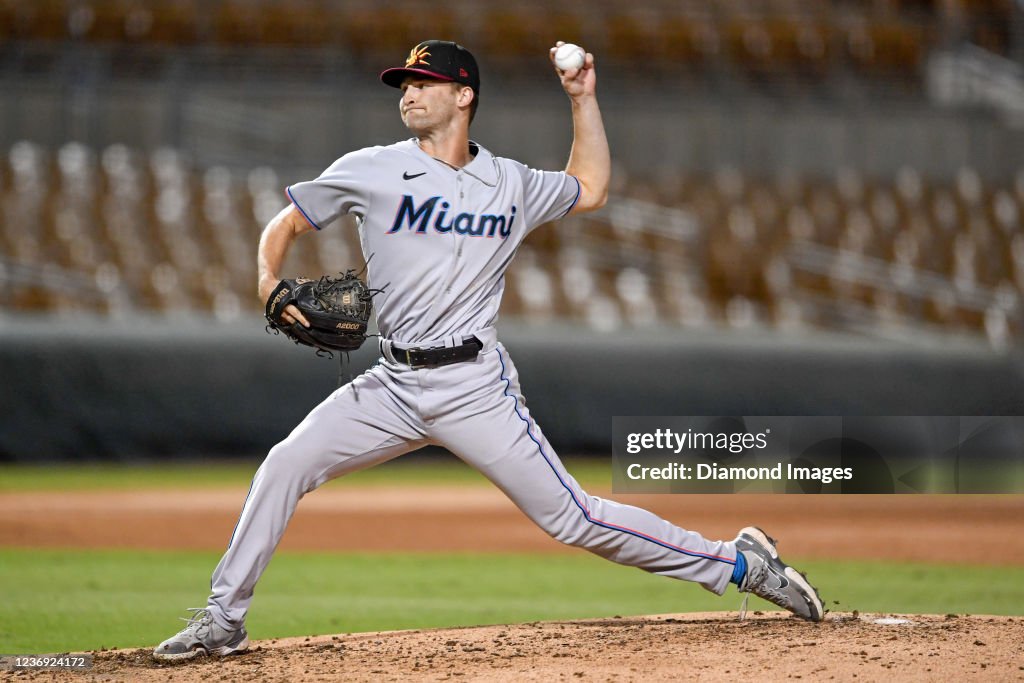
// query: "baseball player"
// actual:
[[442, 218]]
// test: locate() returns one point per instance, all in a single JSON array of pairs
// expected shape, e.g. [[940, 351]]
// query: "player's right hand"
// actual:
[[576, 82]]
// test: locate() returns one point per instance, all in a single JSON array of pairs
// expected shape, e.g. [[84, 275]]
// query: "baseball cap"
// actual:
[[441, 59]]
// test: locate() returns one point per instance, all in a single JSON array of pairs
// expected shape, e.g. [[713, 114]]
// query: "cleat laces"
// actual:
[[199, 620], [754, 582]]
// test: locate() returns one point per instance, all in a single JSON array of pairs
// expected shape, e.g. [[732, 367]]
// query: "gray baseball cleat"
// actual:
[[770, 578], [202, 636]]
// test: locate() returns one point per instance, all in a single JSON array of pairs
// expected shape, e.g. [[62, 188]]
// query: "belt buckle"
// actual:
[[408, 361]]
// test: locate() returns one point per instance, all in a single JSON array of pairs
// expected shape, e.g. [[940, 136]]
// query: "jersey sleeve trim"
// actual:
[[291, 198], [579, 191]]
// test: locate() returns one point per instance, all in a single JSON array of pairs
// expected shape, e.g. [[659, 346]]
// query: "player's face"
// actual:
[[427, 104]]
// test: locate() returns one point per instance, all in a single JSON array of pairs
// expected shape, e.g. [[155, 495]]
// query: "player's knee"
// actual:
[[572, 535], [569, 525], [283, 462]]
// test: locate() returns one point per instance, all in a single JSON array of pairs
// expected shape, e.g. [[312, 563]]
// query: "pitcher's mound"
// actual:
[[709, 646]]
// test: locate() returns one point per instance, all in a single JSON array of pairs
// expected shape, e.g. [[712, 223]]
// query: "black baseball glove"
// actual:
[[338, 310]]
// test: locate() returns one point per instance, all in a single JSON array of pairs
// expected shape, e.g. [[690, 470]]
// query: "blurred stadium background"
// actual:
[[783, 167]]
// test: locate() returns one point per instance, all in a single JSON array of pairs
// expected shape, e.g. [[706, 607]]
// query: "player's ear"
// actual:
[[465, 96]]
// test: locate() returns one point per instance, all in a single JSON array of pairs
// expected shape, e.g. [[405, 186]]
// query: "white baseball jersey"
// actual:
[[439, 239]]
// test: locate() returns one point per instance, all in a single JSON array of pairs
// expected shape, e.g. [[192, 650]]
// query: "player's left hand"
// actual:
[[576, 82]]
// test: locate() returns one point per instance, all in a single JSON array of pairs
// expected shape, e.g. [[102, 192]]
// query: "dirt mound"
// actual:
[[709, 647]]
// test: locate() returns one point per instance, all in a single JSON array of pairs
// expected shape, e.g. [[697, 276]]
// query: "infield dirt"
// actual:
[[481, 519], [707, 647]]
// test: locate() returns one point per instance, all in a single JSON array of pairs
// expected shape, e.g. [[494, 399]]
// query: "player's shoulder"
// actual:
[[396, 150], [528, 174], [396, 153], [371, 156], [356, 157], [512, 168], [507, 163], [514, 165]]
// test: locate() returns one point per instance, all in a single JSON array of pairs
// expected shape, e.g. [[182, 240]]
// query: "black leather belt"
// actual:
[[437, 356]]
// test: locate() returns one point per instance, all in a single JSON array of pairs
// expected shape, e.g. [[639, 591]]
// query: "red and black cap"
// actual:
[[441, 59]]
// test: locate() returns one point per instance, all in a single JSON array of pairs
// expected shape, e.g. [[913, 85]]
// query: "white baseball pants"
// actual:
[[475, 410]]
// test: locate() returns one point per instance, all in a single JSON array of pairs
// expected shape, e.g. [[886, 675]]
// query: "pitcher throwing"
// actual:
[[442, 219]]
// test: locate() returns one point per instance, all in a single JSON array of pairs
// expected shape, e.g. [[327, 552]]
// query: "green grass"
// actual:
[[58, 600], [410, 471]]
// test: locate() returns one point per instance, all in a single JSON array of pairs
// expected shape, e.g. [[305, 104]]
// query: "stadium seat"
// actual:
[[634, 293], [45, 20], [237, 22], [305, 23], [1004, 211], [566, 24], [811, 45], [683, 299], [687, 41], [990, 24], [7, 22], [825, 211], [885, 210], [139, 22], [393, 30], [631, 39], [174, 238], [173, 22], [506, 34], [886, 48], [751, 45], [100, 20]]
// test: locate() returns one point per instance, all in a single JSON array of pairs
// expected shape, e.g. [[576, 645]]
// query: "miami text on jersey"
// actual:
[[484, 225]]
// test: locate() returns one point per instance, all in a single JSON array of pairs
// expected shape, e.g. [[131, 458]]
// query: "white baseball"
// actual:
[[569, 57]]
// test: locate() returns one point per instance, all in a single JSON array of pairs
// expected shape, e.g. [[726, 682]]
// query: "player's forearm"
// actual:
[[590, 159], [275, 242]]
